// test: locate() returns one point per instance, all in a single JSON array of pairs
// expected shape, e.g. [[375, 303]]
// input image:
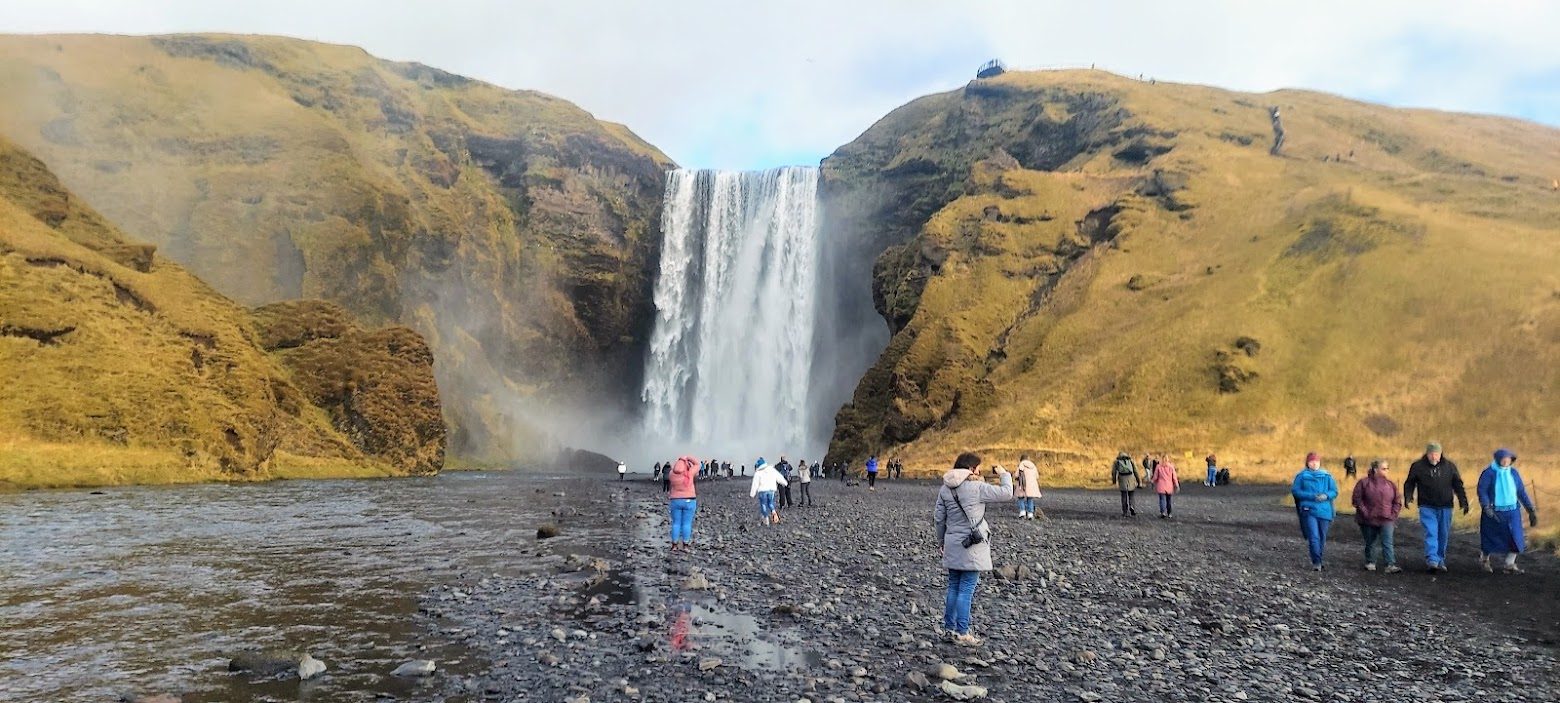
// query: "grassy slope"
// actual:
[[510, 227], [1405, 293]]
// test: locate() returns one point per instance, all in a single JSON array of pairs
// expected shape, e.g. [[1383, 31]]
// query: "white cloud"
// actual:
[[745, 84]]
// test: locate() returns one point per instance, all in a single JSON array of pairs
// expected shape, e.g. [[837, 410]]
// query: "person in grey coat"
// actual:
[[964, 538]]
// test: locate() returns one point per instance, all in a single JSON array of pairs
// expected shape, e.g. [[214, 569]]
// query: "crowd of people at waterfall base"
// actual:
[[964, 536]]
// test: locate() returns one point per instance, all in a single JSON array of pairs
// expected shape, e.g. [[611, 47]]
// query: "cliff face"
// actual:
[[1070, 263], [511, 228], [119, 366]]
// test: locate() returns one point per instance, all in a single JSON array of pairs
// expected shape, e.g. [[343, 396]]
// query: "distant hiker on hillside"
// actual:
[[1165, 483], [1213, 470], [804, 477], [1500, 493], [1125, 475], [1026, 487], [1314, 491], [1437, 482], [1349, 466], [684, 502], [872, 471], [963, 537], [766, 481], [785, 469], [1377, 503]]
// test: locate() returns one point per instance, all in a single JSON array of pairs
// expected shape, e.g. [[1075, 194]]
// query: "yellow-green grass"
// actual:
[[28, 465]]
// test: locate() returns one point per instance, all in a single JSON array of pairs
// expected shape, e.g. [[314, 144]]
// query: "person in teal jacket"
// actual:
[[1314, 490]]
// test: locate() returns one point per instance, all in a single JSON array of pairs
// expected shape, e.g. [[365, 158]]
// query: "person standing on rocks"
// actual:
[[804, 477], [766, 481], [1350, 467], [785, 469], [684, 502], [1377, 503], [872, 471], [959, 518], [1125, 475], [622, 470], [666, 477], [1166, 483], [1437, 482], [1314, 491], [1026, 487], [1501, 492]]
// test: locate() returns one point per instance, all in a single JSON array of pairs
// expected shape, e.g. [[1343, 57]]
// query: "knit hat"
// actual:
[[1433, 448], [1503, 454], [760, 462], [1313, 456]]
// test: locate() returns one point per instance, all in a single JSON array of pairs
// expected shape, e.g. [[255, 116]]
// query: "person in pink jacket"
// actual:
[[1026, 487], [1165, 483], [684, 502]]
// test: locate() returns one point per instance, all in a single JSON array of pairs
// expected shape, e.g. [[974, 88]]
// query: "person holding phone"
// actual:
[[964, 538]]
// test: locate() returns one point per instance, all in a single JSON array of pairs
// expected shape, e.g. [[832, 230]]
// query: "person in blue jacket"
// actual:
[[1501, 493], [872, 469], [1314, 491]]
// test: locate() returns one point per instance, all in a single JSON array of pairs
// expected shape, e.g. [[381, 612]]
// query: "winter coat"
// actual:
[[1026, 483], [1501, 530], [766, 478], [1436, 484], [804, 474], [952, 524], [1165, 480], [872, 466], [1376, 500], [1310, 483], [1125, 473], [682, 477]]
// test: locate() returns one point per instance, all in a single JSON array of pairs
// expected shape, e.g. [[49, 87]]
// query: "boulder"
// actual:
[[415, 667]]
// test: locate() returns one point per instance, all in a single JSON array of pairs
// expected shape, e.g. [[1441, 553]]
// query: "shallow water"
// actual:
[[150, 589]]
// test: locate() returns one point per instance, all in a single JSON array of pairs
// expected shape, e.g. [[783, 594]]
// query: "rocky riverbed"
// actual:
[[843, 602]]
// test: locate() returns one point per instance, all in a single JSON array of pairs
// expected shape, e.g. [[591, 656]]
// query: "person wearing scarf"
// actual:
[[1501, 493], [1314, 491]]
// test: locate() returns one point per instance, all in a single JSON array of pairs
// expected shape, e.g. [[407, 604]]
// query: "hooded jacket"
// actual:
[[766, 478], [1165, 480], [872, 465], [1309, 484], [1026, 483], [952, 524], [1436, 484], [1376, 500], [682, 477]]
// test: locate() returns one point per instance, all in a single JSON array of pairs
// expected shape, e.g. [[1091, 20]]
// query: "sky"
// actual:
[[746, 84]]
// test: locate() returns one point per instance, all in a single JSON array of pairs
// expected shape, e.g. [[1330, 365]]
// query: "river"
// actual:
[[150, 589]]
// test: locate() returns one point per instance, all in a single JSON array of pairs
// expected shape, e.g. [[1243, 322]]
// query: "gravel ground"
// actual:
[[843, 602]]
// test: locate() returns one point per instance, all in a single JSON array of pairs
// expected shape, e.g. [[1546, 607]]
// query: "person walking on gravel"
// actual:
[[1437, 482], [766, 481], [804, 477], [1125, 475], [1166, 483], [872, 472], [1501, 492], [964, 538], [666, 477], [1377, 503], [785, 470], [1314, 491], [1026, 487], [684, 502], [1350, 466]]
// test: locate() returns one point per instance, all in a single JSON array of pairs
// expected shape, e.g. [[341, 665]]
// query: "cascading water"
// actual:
[[731, 354]]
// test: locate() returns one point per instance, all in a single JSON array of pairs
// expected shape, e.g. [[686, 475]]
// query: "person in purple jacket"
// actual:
[[1501, 493], [1377, 503]]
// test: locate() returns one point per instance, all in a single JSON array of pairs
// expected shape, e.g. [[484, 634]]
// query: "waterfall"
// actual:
[[731, 353]]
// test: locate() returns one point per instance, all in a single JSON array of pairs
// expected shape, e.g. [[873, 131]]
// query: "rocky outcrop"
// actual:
[[512, 229]]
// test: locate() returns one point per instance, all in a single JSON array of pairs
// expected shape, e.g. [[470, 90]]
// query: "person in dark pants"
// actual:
[[1437, 482], [1349, 466], [1125, 475], [1377, 502], [804, 477], [872, 472], [785, 469], [666, 477]]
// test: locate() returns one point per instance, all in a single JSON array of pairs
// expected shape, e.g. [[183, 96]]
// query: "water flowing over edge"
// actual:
[[730, 358]]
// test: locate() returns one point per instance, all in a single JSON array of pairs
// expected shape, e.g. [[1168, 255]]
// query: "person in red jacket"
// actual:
[[1377, 503]]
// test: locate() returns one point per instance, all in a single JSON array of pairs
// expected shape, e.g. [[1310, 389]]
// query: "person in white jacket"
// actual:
[[766, 480]]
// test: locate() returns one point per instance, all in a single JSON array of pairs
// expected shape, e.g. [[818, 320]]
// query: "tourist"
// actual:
[[844, 471], [666, 477], [1165, 483], [1213, 470], [684, 503], [766, 481], [744, 469], [1377, 503], [872, 469], [804, 477], [655, 473], [785, 469], [1501, 493], [622, 470], [1026, 487], [964, 538], [1148, 466], [1437, 482], [1125, 475], [1314, 491], [1349, 466]]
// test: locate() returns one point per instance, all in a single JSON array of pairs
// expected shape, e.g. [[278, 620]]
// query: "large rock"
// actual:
[[263, 663], [415, 668]]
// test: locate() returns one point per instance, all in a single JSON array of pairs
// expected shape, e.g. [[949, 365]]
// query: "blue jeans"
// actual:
[[1315, 531], [1026, 505], [1438, 527], [1164, 503], [1373, 534], [961, 593], [682, 519], [766, 503], [1213, 473]]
